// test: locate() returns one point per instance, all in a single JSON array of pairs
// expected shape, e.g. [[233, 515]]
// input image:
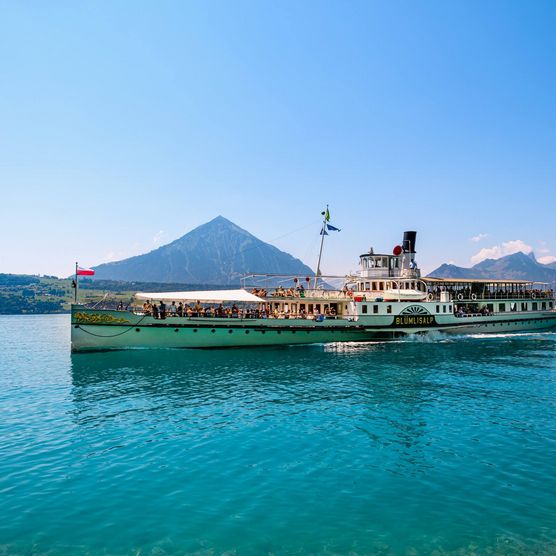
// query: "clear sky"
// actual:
[[123, 125]]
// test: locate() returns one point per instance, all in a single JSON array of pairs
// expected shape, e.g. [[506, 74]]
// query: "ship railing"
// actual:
[[491, 296], [467, 315], [298, 294], [242, 317]]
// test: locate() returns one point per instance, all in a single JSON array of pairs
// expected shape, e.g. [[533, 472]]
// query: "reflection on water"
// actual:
[[385, 448]]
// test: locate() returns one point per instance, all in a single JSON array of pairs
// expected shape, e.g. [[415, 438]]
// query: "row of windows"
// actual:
[[381, 286], [514, 306], [365, 309], [502, 307], [380, 262], [230, 331]]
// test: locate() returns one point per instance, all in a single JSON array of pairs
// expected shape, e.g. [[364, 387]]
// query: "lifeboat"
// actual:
[[396, 294]]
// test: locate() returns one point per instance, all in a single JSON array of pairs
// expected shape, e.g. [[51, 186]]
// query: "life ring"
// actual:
[[533, 296], [460, 296], [473, 296], [430, 297], [350, 293]]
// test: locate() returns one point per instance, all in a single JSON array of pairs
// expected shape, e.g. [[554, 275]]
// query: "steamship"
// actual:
[[385, 300]]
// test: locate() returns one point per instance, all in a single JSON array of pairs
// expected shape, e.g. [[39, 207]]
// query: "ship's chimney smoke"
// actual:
[[408, 243]]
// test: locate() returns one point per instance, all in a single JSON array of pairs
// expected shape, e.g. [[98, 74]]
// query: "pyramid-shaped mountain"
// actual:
[[517, 266], [215, 253]]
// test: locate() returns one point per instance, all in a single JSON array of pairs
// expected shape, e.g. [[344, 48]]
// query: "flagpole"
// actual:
[[322, 232], [76, 282]]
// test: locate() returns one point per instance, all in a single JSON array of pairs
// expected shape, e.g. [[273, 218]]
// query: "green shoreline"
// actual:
[[23, 294]]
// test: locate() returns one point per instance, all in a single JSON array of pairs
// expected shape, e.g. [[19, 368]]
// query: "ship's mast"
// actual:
[[323, 232]]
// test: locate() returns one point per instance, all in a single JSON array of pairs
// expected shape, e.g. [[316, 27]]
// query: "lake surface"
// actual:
[[418, 447]]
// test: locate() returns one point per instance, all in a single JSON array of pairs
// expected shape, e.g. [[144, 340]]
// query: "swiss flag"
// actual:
[[85, 271]]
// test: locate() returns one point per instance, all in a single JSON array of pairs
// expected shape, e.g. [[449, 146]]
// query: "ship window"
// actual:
[[513, 306], [381, 286], [364, 309], [524, 306], [443, 308], [375, 309], [490, 307], [544, 305], [438, 308], [535, 306], [310, 308], [388, 308], [367, 285], [550, 304], [502, 307]]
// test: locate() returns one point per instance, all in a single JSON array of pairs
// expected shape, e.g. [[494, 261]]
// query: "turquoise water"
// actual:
[[417, 447]]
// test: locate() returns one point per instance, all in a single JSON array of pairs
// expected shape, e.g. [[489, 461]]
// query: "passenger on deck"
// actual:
[[147, 308], [173, 309], [155, 310], [235, 311], [198, 309], [220, 311], [162, 310], [120, 306], [180, 309]]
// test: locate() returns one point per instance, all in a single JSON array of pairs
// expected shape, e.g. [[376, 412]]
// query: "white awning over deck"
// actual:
[[210, 296]]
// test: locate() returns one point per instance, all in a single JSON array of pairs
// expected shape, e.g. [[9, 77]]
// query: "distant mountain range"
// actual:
[[215, 253], [518, 266]]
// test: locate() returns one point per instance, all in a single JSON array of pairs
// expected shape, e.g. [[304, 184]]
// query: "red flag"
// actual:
[[85, 271]]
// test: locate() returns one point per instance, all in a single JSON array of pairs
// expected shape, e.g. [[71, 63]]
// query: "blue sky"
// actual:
[[123, 125]]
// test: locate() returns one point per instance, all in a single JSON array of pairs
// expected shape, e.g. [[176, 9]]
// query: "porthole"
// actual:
[[213, 330], [194, 330], [176, 329], [247, 332], [137, 330], [263, 331], [230, 331], [279, 331], [294, 331]]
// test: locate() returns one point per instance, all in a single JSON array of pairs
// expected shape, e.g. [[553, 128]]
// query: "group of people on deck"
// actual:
[[259, 293], [162, 311], [298, 291], [466, 310]]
